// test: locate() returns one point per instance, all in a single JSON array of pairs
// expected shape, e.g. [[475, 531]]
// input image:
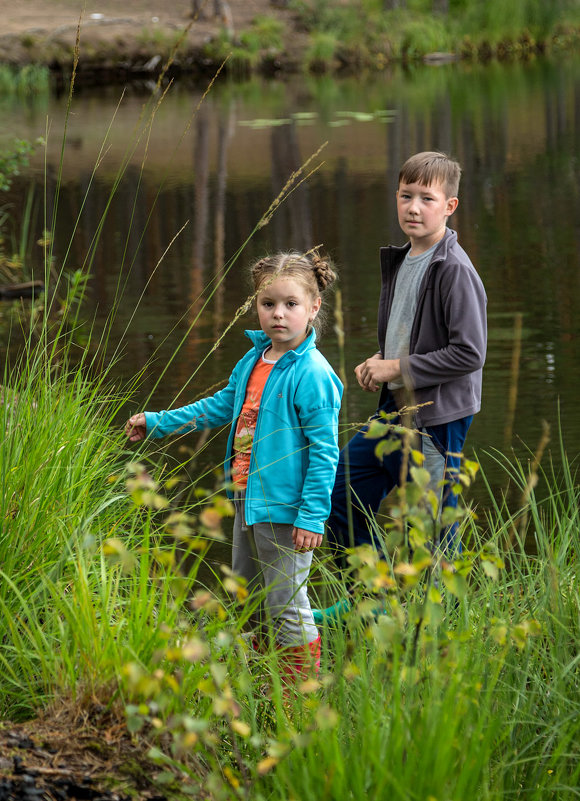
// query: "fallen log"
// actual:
[[28, 289]]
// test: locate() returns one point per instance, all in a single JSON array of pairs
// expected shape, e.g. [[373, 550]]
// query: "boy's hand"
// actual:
[[136, 427], [305, 540], [376, 371]]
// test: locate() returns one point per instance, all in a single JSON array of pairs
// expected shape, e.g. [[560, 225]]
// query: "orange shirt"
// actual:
[[246, 426]]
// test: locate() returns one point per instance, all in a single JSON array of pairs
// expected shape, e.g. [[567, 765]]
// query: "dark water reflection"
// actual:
[[516, 131]]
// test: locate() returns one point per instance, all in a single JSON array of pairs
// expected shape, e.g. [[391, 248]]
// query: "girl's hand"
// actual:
[[305, 540], [136, 427]]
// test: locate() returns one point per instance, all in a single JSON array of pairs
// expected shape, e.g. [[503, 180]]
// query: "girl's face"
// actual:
[[286, 309]]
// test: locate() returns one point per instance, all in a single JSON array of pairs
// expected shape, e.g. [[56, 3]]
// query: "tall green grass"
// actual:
[[456, 689]]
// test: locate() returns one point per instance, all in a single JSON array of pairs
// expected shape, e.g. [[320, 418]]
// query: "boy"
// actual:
[[432, 341]]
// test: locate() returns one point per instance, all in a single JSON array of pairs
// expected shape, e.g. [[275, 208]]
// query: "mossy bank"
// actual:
[[263, 37]]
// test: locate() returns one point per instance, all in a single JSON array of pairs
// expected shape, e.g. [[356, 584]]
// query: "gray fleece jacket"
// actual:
[[449, 333]]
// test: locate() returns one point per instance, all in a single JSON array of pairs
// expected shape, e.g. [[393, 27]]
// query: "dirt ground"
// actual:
[[72, 754], [112, 32]]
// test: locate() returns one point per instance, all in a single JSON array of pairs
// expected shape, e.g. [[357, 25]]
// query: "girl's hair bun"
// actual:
[[259, 269], [323, 272]]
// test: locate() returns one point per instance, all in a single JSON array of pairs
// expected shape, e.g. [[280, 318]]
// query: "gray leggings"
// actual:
[[264, 555]]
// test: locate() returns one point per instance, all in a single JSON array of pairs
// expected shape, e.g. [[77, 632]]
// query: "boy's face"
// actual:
[[423, 212]]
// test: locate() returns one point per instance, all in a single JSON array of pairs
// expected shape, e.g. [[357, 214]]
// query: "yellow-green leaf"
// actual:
[[455, 583]]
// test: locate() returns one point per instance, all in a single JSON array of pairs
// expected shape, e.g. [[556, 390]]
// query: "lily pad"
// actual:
[[261, 124]]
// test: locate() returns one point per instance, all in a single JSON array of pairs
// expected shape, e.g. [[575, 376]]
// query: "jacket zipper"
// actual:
[[234, 428]]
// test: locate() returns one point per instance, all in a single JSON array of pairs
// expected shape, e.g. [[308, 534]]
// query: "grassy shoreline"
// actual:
[[317, 36]]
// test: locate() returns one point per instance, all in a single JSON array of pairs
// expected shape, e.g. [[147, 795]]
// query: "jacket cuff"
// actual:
[[309, 524], [405, 366], [152, 425]]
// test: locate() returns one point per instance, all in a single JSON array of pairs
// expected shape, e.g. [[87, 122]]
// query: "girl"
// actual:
[[283, 400]]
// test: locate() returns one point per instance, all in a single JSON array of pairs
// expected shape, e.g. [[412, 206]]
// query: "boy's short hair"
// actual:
[[430, 167]]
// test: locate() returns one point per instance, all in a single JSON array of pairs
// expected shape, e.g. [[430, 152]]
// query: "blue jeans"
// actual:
[[362, 481]]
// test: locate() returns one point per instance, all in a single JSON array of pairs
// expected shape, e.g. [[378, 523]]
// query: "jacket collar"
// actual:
[[448, 240], [393, 255], [261, 342]]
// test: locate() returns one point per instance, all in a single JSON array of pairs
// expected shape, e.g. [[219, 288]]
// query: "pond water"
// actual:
[[198, 180]]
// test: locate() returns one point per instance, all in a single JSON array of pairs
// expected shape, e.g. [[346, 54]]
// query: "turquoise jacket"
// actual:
[[295, 450]]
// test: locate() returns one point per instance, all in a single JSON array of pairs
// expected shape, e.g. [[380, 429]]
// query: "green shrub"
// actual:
[[495, 20], [30, 80], [242, 61], [27, 40], [159, 40], [321, 52], [270, 32], [13, 160], [419, 37], [246, 53]]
